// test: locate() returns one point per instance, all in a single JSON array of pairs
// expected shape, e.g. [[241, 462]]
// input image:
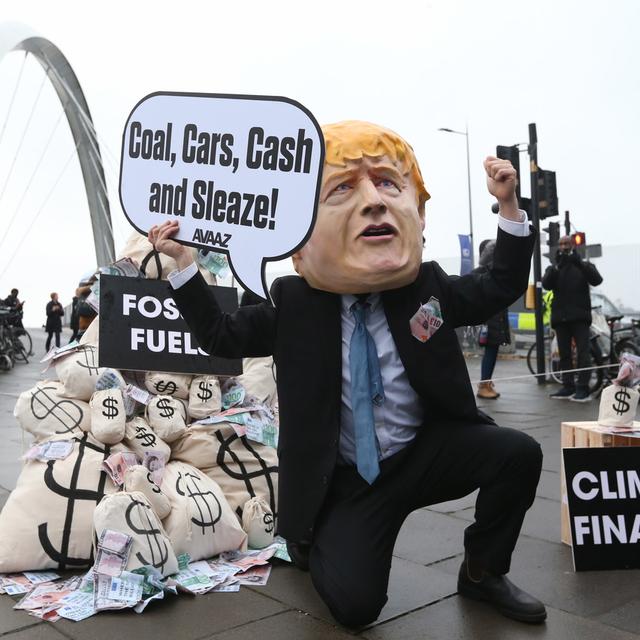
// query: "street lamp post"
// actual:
[[465, 133]]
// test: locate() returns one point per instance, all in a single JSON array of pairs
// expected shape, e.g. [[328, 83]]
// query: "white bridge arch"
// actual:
[[16, 36]]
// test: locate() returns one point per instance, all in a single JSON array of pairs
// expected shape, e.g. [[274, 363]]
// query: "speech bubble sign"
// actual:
[[240, 173]]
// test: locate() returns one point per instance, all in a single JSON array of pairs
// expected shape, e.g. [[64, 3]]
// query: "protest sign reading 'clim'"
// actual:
[[603, 490], [141, 329], [241, 174]]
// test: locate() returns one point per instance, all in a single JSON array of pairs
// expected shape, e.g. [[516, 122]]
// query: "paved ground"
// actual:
[[422, 595]]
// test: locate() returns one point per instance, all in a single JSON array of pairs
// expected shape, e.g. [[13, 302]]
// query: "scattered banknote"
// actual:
[[77, 606], [52, 450], [38, 577], [229, 586], [116, 465], [214, 262], [113, 552], [16, 584], [280, 545], [120, 592], [256, 576], [138, 394], [233, 394], [155, 461], [261, 427], [46, 597], [246, 559]]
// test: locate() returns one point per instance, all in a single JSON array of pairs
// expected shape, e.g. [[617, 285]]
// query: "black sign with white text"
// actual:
[[603, 489], [142, 330]]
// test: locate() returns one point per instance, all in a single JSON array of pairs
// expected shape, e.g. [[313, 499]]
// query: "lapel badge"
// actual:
[[427, 320]]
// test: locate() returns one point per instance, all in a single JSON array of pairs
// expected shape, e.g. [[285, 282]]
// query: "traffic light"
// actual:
[[554, 234], [547, 194], [579, 239]]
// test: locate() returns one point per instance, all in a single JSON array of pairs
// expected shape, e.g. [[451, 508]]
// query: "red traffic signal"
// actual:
[[579, 239]]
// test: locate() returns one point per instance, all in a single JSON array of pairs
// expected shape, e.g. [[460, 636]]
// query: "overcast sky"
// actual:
[[570, 67]]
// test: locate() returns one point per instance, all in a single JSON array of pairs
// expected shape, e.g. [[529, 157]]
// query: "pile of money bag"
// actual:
[[181, 463]]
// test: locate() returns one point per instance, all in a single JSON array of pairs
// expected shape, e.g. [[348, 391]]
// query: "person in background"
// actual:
[[86, 313], [55, 311], [15, 305], [74, 321], [497, 333], [12, 300], [569, 279]]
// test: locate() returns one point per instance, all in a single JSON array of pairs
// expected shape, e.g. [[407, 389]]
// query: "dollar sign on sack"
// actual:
[[166, 410], [166, 387], [66, 412], [111, 406], [73, 494], [205, 392], [268, 522], [622, 406], [205, 502], [156, 546], [89, 354], [154, 487], [237, 469], [146, 437]]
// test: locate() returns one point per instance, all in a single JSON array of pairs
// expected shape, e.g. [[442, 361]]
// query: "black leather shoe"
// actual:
[[509, 600], [299, 554]]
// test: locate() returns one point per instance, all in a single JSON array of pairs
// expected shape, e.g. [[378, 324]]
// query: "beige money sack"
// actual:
[[166, 416], [168, 384], [108, 416], [79, 372], [243, 468], [198, 445], [47, 522], [91, 335], [44, 412], [258, 379], [138, 478], [132, 514], [257, 521], [154, 265], [201, 522], [618, 406], [204, 397], [139, 437]]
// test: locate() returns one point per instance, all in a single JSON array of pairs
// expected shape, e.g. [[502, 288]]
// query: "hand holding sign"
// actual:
[[241, 174], [161, 237]]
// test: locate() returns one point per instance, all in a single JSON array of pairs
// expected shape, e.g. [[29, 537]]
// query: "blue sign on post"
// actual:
[[466, 264]]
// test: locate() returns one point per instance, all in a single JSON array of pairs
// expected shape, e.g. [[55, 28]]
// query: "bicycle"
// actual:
[[15, 341], [22, 338], [6, 342], [626, 342]]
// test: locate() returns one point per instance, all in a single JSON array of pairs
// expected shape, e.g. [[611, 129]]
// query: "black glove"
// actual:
[[575, 258], [561, 258]]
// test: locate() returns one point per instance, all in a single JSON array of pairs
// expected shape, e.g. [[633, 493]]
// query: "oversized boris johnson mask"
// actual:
[[368, 232]]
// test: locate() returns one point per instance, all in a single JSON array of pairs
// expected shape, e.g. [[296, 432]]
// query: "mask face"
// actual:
[[368, 232]]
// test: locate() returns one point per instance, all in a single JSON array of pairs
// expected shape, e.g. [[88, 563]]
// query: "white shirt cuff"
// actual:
[[520, 229], [178, 278]]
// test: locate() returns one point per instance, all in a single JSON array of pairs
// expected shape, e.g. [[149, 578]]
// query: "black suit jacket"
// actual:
[[303, 333]]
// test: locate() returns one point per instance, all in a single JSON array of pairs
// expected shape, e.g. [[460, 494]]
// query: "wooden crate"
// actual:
[[581, 434]]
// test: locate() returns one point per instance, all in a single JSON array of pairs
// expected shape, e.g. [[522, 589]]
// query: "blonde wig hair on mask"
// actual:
[[353, 139]]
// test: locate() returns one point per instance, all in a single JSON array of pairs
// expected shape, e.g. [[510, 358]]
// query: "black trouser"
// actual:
[[579, 331], [50, 336], [356, 531]]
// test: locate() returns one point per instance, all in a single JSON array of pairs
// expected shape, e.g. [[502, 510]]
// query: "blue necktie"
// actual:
[[366, 389]]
